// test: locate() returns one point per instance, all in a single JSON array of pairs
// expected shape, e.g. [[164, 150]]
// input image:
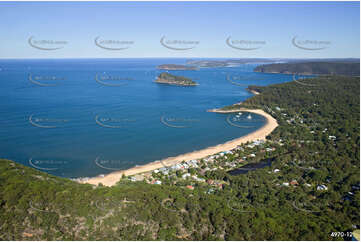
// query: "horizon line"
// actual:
[[280, 58]]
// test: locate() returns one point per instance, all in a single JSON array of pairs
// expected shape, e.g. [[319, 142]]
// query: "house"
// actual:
[[294, 183], [176, 167], [190, 187], [133, 179], [184, 176], [276, 170], [210, 182], [210, 190], [201, 179], [192, 163], [252, 155], [137, 178], [258, 142], [322, 188], [285, 184], [156, 182], [220, 185], [356, 187]]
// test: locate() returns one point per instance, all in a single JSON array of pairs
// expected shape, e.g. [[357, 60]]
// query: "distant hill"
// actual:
[[213, 63], [309, 68], [176, 67], [228, 63]]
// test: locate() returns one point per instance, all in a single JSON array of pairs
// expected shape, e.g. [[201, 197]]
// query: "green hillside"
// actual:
[[308, 68]]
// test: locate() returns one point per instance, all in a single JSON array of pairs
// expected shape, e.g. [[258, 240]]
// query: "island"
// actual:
[[166, 78], [175, 67]]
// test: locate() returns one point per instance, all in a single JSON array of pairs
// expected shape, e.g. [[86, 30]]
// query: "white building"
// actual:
[[184, 176], [322, 188]]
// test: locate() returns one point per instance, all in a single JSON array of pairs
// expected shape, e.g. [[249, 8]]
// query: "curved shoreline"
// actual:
[[260, 134]]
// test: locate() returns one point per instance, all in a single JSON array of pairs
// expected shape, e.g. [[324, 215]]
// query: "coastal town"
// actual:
[[196, 173], [247, 156], [193, 173]]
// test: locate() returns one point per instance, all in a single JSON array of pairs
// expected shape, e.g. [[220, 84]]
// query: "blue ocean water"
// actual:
[[85, 117]]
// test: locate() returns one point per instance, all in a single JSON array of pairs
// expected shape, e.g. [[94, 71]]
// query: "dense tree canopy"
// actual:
[[318, 140]]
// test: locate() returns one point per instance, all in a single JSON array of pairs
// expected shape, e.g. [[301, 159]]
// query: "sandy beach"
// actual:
[[260, 134]]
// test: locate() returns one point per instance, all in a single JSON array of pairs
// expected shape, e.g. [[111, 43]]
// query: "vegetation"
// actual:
[[308, 68], [170, 79], [317, 143], [225, 63], [176, 67]]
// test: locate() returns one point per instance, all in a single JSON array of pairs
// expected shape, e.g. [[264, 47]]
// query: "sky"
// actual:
[[180, 29]]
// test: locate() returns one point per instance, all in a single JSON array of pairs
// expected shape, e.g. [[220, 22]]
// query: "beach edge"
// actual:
[[112, 178]]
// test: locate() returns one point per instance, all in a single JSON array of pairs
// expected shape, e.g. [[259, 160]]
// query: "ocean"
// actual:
[[85, 117]]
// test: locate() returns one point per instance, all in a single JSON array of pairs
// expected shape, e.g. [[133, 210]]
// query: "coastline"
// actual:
[[260, 134]]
